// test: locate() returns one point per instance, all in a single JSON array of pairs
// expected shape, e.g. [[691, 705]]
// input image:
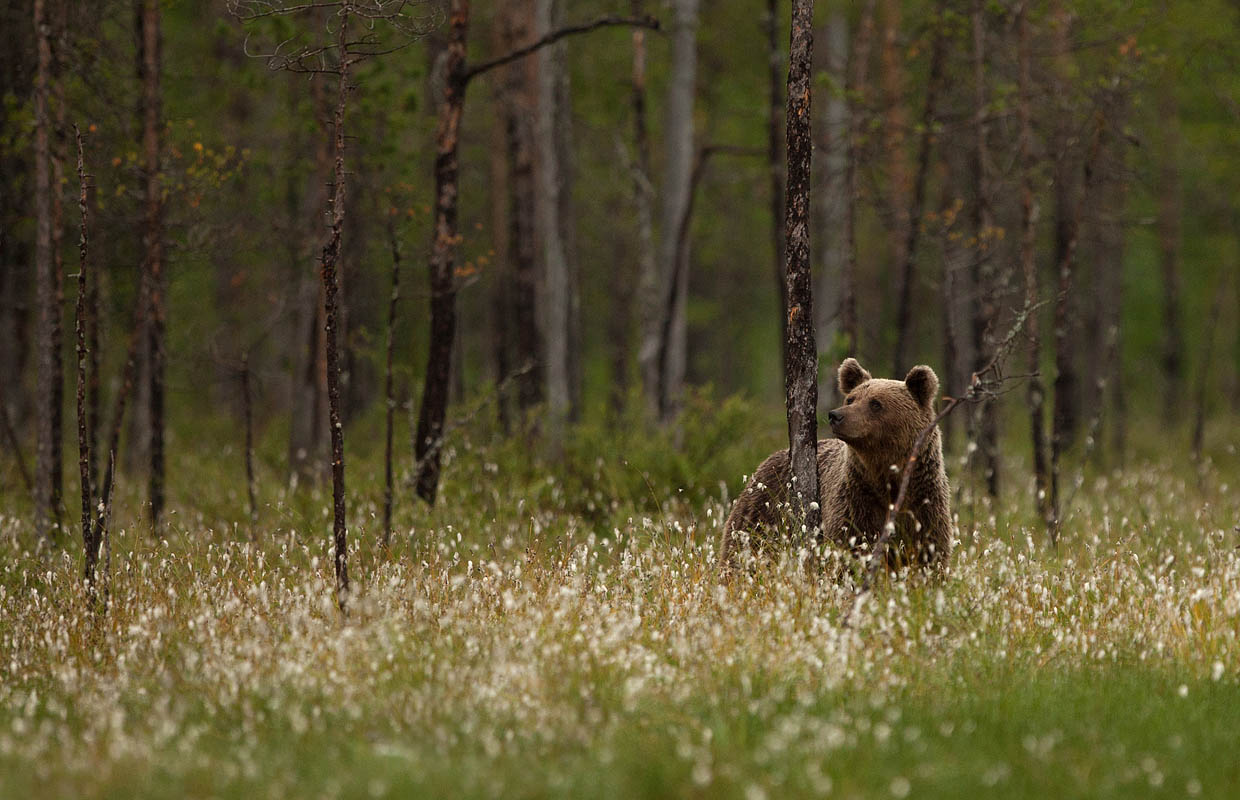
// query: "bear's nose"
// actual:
[[834, 417]]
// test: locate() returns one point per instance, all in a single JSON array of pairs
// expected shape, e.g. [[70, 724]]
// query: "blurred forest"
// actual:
[[617, 226]]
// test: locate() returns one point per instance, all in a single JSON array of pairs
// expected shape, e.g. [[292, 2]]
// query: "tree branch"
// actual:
[[555, 36]]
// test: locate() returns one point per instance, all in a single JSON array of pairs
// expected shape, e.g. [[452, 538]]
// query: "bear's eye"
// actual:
[[875, 405], [848, 401]]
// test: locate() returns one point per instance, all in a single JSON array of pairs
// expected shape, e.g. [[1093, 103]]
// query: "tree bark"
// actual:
[[90, 549], [1029, 269], [678, 171], [153, 234], [800, 354], [904, 304], [891, 76], [389, 390], [328, 274], [428, 439]]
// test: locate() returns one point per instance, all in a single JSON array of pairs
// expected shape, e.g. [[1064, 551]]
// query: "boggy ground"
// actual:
[[535, 637]]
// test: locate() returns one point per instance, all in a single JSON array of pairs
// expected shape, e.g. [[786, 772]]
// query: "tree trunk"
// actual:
[[50, 379], [984, 311], [550, 199], [891, 76], [678, 171], [800, 354], [775, 154], [153, 235], [1029, 268], [307, 445], [856, 121], [836, 200], [428, 439], [328, 274], [1168, 226], [904, 304], [90, 550], [501, 284], [650, 285], [389, 390], [521, 108]]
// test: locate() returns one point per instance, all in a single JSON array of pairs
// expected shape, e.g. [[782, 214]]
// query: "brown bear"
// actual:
[[859, 475]]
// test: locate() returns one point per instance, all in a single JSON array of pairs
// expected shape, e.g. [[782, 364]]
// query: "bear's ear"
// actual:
[[852, 375], [923, 384]]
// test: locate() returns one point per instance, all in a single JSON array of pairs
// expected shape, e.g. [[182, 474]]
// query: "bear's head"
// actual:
[[882, 418]]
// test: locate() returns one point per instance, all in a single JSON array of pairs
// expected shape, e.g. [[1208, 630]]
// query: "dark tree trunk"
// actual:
[[389, 390], [89, 546], [774, 154], [501, 271], [1029, 268], [328, 274], [904, 304], [153, 235], [247, 413], [800, 353], [1168, 225], [428, 439], [47, 488]]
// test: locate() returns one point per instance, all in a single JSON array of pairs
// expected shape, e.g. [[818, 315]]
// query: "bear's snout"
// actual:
[[834, 418]]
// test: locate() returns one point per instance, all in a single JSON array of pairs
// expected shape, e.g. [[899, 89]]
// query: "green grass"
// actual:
[[553, 627]]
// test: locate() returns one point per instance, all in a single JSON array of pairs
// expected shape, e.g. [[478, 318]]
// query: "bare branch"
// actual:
[[556, 35]]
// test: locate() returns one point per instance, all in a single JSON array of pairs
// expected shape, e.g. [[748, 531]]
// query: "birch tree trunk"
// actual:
[[678, 172], [553, 196], [650, 285], [800, 354]]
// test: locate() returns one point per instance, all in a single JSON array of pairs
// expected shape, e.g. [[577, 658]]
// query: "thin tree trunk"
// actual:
[[904, 304], [50, 380], [247, 404], [1029, 269], [775, 155], [389, 390], [1203, 377], [649, 283], [89, 547], [154, 246], [331, 257], [678, 170], [1168, 226], [835, 195], [856, 120], [800, 354], [501, 288], [984, 311], [428, 440], [1064, 383]]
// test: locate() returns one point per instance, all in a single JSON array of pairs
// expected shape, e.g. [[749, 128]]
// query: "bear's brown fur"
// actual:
[[859, 476]]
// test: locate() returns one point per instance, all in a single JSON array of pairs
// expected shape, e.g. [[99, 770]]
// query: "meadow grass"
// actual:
[[554, 627]]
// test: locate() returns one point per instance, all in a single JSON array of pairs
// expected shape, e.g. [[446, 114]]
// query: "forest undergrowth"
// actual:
[[554, 627]]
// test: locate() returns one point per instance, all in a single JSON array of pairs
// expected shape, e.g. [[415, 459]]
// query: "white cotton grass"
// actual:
[[480, 652]]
